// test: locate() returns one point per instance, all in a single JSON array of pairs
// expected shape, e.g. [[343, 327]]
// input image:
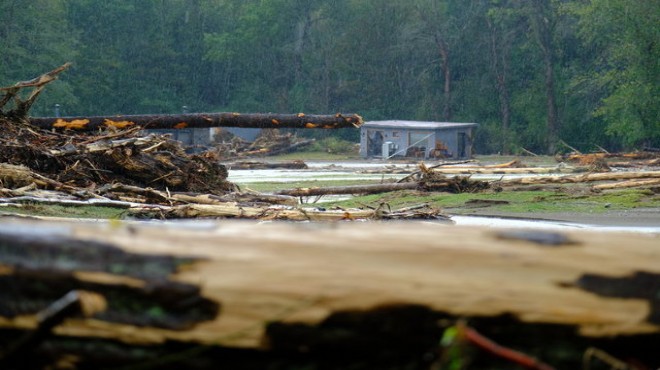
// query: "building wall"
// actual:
[[439, 138], [371, 142]]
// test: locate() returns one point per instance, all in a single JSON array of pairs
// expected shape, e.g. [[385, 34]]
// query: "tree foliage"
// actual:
[[531, 73]]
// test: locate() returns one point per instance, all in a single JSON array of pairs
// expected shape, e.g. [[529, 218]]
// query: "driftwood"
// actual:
[[452, 185], [504, 170], [22, 107], [433, 179], [589, 158], [148, 195], [291, 287], [627, 184], [288, 213], [259, 165], [654, 162], [588, 177], [200, 120], [268, 142], [349, 189], [80, 162]]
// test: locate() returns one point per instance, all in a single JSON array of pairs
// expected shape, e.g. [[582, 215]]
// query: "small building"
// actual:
[[389, 139]]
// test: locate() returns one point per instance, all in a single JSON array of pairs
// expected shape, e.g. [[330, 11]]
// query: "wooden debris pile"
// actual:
[[287, 212], [149, 176], [81, 161], [84, 161], [646, 158], [269, 142]]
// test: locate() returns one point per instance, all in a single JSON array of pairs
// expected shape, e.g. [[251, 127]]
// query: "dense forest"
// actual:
[[533, 73]]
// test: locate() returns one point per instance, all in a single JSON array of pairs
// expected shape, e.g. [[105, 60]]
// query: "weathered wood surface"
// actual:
[[587, 177], [22, 106], [260, 165], [258, 273], [350, 189], [201, 120], [627, 184], [468, 170], [280, 212]]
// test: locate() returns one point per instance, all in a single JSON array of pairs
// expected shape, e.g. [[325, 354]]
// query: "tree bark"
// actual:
[[500, 50], [350, 189], [171, 280], [541, 19], [201, 120], [443, 50], [627, 184]]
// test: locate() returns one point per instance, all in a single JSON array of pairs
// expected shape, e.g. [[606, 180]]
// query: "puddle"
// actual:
[[497, 222]]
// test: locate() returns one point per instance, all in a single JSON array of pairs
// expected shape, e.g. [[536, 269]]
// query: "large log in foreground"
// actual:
[[201, 120], [244, 284]]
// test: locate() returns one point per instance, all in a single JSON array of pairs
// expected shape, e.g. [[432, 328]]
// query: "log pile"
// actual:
[[269, 142], [438, 178], [647, 158], [87, 161], [80, 162], [150, 176]]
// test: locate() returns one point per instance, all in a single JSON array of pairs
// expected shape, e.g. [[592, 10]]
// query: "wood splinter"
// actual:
[[76, 302]]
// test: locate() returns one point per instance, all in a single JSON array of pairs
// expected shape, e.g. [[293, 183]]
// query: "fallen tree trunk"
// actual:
[[253, 165], [589, 177], [503, 170], [271, 212], [349, 189], [429, 182], [627, 184], [592, 157], [166, 282], [200, 120], [119, 191], [16, 176]]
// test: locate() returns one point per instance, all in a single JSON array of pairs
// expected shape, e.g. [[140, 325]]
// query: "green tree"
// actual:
[[35, 38], [626, 66]]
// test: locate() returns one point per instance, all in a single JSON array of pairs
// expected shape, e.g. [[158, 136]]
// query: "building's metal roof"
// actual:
[[417, 125]]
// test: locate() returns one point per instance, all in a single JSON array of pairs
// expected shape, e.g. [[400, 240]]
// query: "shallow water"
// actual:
[[500, 222]]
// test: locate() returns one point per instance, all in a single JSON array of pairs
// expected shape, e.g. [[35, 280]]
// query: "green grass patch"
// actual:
[[47, 210], [513, 202]]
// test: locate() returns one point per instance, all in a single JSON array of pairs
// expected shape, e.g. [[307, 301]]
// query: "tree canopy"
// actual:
[[532, 73]]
